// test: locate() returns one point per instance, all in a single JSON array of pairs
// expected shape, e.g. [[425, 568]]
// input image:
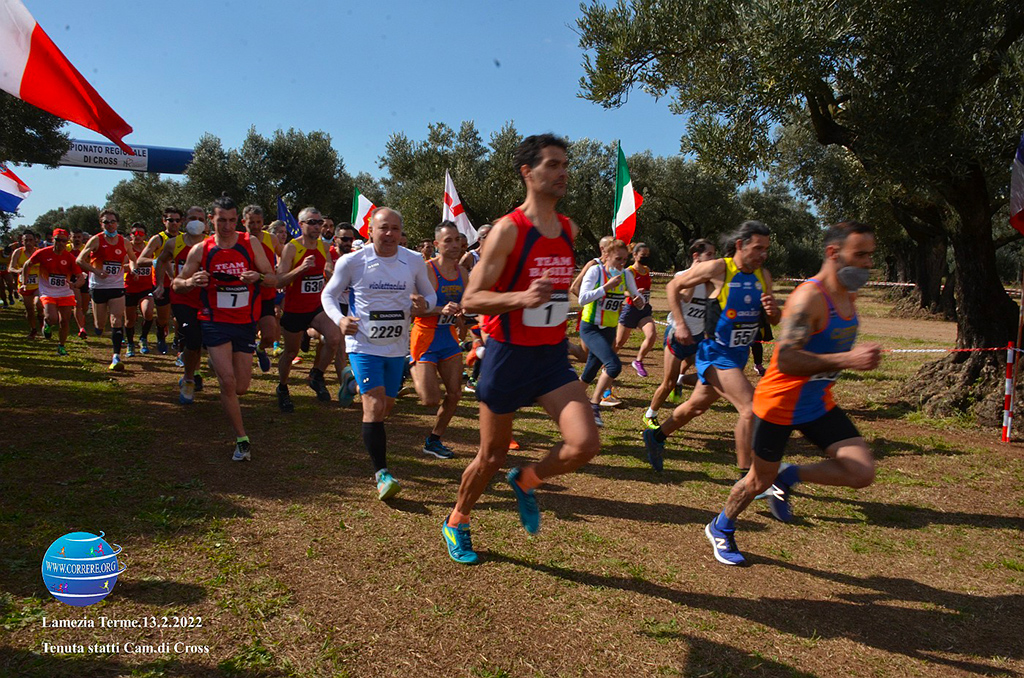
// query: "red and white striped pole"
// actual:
[[1008, 394]]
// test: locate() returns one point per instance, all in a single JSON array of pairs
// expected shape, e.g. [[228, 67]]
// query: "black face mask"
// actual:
[[644, 261]]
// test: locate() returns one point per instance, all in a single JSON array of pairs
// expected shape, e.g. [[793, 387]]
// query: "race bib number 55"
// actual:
[[743, 334]]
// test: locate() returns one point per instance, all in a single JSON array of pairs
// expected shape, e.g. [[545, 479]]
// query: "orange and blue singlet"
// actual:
[[434, 338], [786, 399]]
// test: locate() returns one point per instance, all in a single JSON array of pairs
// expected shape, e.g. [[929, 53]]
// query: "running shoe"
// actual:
[[387, 486], [651, 422], [130, 353], [296, 360], [320, 388], [242, 451], [33, 333], [778, 502], [61, 351], [82, 334], [116, 365], [771, 490], [459, 543], [513, 444], [144, 350], [655, 450], [724, 545], [638, 365], [278, 349], [199, 382], [608, 399], [759, 369], [675, 396], [529, 513], [47, 330], [347, 390], [186, 391], [161, 346], [98, 331], [304, 344], [178, 362], [597, 418], [284, 399], [438, 449], [263, 359]]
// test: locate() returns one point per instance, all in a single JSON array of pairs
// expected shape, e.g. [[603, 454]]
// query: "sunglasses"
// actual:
[[60, 240], [344, 239], [171, 220], [108, 221], [314, 222]]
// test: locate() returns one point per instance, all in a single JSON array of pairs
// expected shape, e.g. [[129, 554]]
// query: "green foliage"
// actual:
[[85, 217], [29, 134], [143, 197]]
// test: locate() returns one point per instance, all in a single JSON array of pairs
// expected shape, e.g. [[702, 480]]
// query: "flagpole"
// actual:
[[1016, 363], [615, 208]]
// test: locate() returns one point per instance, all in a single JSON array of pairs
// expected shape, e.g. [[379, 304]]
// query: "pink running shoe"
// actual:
[[639, 367]]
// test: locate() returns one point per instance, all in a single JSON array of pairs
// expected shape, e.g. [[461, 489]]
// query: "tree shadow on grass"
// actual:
[[905, 516], [961, 624], [25, 664], [162, 592]]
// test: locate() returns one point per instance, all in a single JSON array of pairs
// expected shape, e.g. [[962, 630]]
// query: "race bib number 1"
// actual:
[[235, 296], [385, 327], [551, 314]]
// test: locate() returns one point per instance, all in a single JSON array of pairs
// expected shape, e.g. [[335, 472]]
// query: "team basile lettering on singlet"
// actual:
[[230, 267], [386, 285], [559, 269]]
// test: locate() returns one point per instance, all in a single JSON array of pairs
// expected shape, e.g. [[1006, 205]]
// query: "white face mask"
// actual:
[[195, 227]]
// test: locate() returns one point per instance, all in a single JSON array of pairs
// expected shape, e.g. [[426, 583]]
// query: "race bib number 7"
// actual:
[[551, 314], [234, 296]]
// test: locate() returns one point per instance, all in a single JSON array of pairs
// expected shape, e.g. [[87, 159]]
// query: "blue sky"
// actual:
[[358, 71]]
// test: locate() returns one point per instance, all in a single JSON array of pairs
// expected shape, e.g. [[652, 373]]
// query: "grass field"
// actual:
[[297, 570]]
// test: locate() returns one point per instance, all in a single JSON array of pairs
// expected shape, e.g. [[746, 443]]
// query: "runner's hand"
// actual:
[[158, 292], [683, 335], [308, 262], [639, 301], [612, 283], [349, 325], [769, 305], [419, 304], [864, 357], [538, 293], [451, 308], [250, 277], [200, 279]]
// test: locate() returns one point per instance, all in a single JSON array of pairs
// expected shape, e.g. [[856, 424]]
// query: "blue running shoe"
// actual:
[[263, 359], [199, 382], [778, 502], [438, 449], [655, 450], [771, 490], [130, 353], [347, 390], [186, 391], [459, 543], [387, 486], [724, 545], [529, 514], [144, 346], [161, 346], [178, 362]]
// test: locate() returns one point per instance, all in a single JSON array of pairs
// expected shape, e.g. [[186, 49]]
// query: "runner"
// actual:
[[522, 284], [185, 303], [252, 219], [435, 346], [603, 290], [426, 249], [82, 298], [227, 269], [388, 283], [301, 272], [815, 345], [138, 285], [688, 307], [634, 316], [104, 257], [344, 238], [740, 288], [6, 280], [28, 279], [154, 248], [57, 273], [472, 257], [580, 353]]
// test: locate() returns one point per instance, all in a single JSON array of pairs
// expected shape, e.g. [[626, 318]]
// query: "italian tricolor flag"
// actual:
[[361, 208], [627, 202]]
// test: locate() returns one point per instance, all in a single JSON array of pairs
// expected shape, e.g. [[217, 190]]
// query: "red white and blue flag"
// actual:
[[12, 190], [1017, 190], [33, 69]]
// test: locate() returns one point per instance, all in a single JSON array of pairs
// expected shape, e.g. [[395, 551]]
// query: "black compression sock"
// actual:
[[376, 443], [117, 338]]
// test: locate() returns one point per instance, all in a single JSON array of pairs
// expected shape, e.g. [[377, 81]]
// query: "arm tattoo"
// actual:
[[796, 330]]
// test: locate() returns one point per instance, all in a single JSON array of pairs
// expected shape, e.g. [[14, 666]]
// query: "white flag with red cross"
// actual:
[[453, 211]]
